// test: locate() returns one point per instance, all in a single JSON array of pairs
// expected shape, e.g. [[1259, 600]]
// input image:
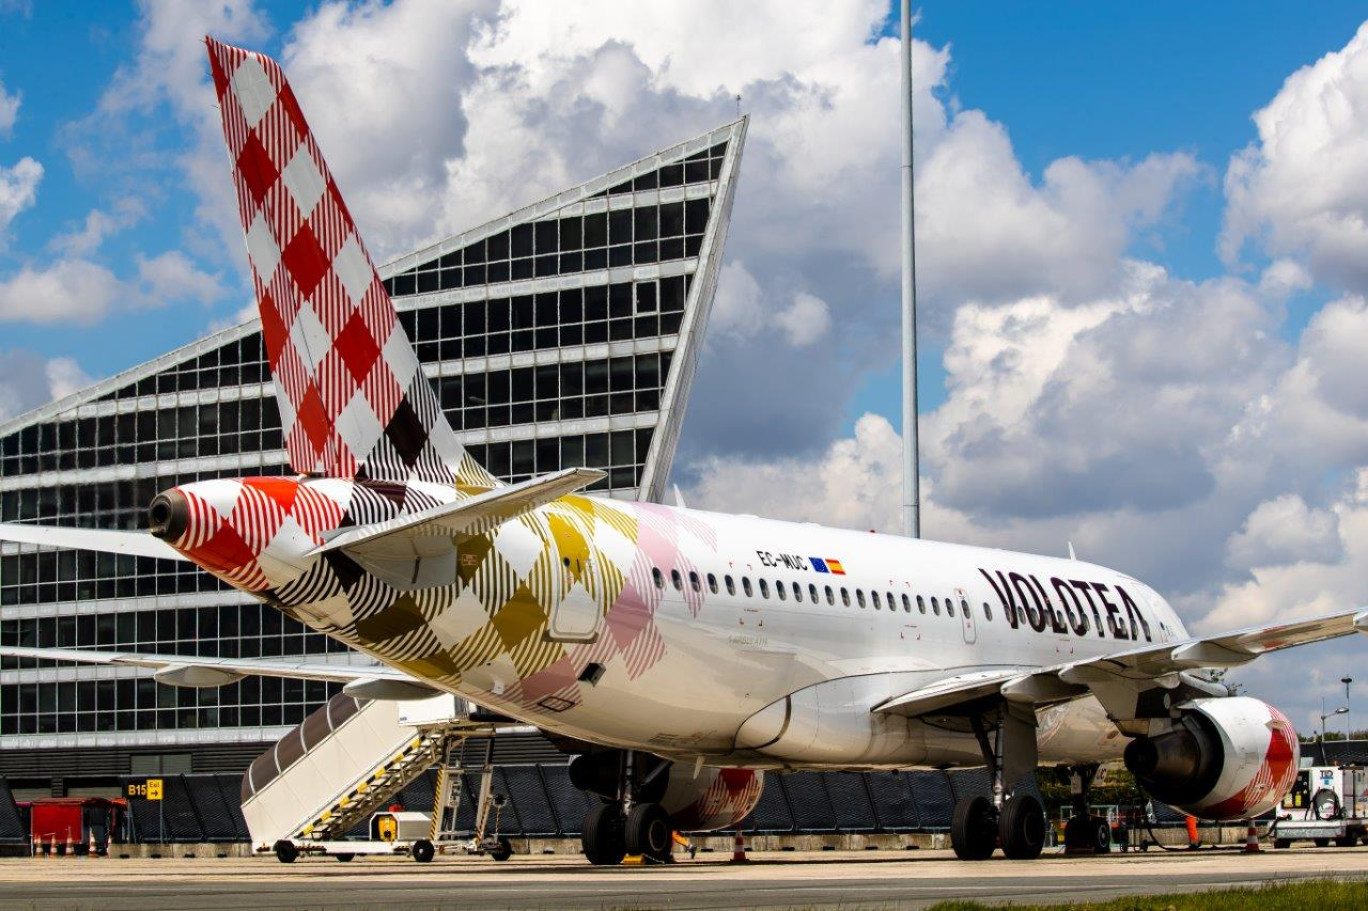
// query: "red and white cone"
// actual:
[[739, 850], [91, 849], [1252, 840], [70, 849], [52, 845]]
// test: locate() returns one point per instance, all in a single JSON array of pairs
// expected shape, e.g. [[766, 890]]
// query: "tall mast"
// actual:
[[911, 504]]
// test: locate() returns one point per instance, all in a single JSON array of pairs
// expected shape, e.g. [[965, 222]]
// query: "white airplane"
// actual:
[[681, 652]]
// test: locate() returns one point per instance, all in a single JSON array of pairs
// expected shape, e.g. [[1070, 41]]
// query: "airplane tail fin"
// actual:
[[354, 402]]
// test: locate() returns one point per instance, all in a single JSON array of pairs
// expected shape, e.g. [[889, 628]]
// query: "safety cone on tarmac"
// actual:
[[52, 845], [70, 848], [1252, 840], [739, 850], [91, 849]]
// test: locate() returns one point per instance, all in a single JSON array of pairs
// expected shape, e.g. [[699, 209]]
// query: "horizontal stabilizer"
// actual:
[[399, 537], [132, 543], [193, 670]]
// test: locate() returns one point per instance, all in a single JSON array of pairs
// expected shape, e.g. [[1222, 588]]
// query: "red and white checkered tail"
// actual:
[[354, 402]]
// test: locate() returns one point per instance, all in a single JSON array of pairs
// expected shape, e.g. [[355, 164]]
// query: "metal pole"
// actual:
[[911, 469], [1348, 717]]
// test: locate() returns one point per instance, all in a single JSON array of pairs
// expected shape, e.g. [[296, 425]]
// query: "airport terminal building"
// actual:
[[564, 334]]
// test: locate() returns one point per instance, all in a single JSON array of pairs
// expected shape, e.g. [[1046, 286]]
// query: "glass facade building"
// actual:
[[563, 334]]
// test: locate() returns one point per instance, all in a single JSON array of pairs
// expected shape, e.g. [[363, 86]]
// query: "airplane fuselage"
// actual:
[[747, 641]]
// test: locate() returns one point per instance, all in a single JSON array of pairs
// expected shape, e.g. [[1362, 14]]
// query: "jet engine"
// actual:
[[1231, 758], [714, 799]]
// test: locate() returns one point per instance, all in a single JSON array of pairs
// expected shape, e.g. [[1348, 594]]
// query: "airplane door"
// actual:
[[967, 616], [579, 614]]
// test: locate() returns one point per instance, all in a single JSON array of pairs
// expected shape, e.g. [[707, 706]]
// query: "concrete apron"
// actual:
[[714, 843]]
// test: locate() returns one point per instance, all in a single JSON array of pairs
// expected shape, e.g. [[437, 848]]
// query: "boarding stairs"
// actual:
[[346, 761]]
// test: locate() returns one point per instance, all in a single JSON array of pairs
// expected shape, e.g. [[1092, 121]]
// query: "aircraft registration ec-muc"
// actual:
[[685, 652]]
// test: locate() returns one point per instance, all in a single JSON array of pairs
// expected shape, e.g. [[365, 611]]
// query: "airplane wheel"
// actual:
[[973, 829], [648, 832], [603, 836], [1101, 835], [423, 851], [1022, 828]]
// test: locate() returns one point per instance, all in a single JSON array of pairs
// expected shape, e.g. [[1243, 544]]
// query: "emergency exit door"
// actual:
[[578, 615], [967, 616]]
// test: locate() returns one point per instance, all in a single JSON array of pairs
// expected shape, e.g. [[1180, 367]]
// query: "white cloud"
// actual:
[[1285, 530], [70, 290], [804, 321], [9, 110], [27, 380], [18, 189], [173, 278], [97, 227], [1303, 187]]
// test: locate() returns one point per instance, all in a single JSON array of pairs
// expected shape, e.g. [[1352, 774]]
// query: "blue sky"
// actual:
[[1119, 80], [1114, 381], [1070, 78]]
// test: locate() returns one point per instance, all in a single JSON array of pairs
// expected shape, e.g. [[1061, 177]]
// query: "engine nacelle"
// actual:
[[1230, 758], [716, 799]]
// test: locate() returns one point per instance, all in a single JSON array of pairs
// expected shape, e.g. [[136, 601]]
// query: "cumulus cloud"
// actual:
[[1302, 188], [28, 380], [18, 189], [9, 110], [1285, 530], [70, 290], [173, 278]]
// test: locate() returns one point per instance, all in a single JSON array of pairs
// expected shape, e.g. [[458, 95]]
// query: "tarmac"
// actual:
[[845, 880]]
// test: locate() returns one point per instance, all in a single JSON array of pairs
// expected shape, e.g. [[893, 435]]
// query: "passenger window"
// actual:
[[987, 611], [859, 596], [656, 575], [745, 584], [907, 605], [781, 591], [731, 586], [677, 579], [921, 604], [935, 606], [950, 606], [694, 583], [964, 606], [892, 604], [831, 596], [874, 597], [764, 589], [712, 583], [812, 594], [797, 593], [845, 597]]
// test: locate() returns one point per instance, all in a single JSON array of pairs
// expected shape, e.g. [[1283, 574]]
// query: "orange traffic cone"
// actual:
[[70, 848], [52, 845], [1252, 840], [739, 850]]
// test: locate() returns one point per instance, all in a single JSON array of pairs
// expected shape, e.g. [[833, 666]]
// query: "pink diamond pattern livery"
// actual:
[[354, 401]]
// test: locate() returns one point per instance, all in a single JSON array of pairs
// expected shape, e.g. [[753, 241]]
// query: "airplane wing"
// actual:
[[368, 681], [1119, 678], [132, 543], [401, 536]]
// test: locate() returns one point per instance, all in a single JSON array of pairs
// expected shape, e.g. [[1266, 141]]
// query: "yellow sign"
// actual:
[[154, 789]]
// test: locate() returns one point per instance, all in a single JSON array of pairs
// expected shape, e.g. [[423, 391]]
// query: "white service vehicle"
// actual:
[[1325, 804]]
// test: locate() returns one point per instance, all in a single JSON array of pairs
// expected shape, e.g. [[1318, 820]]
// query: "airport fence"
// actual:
[[541, 802]]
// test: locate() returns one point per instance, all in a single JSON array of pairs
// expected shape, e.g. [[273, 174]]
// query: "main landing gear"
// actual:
[[627, 817], [1015, 820]]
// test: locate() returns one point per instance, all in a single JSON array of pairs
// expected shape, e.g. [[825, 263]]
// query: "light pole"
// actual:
[[1348, 723], [1324, 715]]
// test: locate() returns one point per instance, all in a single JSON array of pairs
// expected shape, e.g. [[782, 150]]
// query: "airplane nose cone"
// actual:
[[168, 516]]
